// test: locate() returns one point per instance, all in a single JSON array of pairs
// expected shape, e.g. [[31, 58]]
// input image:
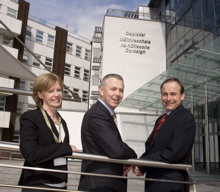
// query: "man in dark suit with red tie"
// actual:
[[100, 136], [169, 142]]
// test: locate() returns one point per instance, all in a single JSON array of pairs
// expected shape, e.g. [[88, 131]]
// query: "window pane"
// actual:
[[76, 91], [95, 80], [77, 72], [8, 41], [28, 33], [86, 75], [22, 84], [78, 51], [12, 12], [50, 40], [87, 54], [25, 57], [48, 63], [19, 109], [85, 96], [2, 103], [39, 36], [67, 70], [31, 86], [69, 47], [36, 63]]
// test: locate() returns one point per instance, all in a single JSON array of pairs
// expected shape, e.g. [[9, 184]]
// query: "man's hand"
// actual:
[[137, 171], [126, 170]]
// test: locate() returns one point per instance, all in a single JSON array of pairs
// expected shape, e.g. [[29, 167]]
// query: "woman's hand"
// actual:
[[74, 149]]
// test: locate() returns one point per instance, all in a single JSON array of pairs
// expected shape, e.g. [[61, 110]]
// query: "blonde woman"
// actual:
[[44, 137]]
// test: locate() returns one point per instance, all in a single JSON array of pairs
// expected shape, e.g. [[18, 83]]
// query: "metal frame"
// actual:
[[13, 147]]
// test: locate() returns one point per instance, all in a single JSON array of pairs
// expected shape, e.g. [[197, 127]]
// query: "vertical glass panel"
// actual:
[[208, 19], [180, 29], [207, 6], [217, 12], [173, 5], [188, 19], [198, 35], [217, 2], [174, 36], [197, 13]]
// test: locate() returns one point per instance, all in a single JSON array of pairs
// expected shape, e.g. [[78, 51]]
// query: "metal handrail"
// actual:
[[79, 155], [6, 146]]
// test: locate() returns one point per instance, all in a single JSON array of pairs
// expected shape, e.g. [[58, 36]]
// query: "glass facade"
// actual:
[[200, 74], [193, 56], [194, 24]]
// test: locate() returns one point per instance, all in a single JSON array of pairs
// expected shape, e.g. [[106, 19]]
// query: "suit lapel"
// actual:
[[166, 123], [66, 138], [105, 110], [54, 129]]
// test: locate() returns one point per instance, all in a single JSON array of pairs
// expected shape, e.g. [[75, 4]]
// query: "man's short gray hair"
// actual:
[[104, 80]]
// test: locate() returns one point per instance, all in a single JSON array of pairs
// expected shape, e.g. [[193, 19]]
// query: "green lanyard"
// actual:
[[49, 125]]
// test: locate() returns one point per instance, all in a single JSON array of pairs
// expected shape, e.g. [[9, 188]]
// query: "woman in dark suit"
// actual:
[[44, 137]]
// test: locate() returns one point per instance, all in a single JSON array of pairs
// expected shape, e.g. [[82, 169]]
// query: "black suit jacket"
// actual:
[[39, 149], [172, 144], [100, 136]]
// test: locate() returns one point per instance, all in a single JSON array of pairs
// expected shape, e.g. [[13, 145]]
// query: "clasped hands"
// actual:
[[135, 170]]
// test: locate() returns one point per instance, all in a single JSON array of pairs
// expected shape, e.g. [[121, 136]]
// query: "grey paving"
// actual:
[[10, 176]]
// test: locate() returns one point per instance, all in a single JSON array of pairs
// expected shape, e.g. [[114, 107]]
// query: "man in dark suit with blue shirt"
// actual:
[[171, 143], [100, 136]]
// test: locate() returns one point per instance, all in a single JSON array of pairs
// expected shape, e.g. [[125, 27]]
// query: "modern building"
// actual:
[[29, 47], [165, 39]]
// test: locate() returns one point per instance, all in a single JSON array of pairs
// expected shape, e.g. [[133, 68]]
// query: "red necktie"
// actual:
[[158, 126]]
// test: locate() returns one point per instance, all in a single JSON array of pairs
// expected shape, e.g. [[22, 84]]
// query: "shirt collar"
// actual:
[[111, 111]]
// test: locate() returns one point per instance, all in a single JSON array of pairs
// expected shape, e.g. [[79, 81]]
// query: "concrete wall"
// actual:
[[134, 49]]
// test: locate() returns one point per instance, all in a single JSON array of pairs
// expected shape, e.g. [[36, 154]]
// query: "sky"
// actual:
[[79, 16]]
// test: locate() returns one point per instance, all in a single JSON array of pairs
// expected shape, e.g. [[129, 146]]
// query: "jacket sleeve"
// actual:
[[37, 144], [107, 137], [179, 144]]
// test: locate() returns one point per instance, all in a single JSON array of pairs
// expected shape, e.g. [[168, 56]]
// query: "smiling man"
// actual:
[[171, 140], [100, 136]]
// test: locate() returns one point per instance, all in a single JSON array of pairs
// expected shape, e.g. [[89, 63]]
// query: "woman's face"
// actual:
[[52, 98]]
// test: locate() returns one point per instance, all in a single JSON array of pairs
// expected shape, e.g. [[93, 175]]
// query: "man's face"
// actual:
[[171, 96], [112, 92]]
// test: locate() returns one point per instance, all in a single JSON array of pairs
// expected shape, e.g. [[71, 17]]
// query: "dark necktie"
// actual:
[[158, 126]]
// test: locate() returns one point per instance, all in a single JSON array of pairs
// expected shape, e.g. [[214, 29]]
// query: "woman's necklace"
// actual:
[[57, 122]]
